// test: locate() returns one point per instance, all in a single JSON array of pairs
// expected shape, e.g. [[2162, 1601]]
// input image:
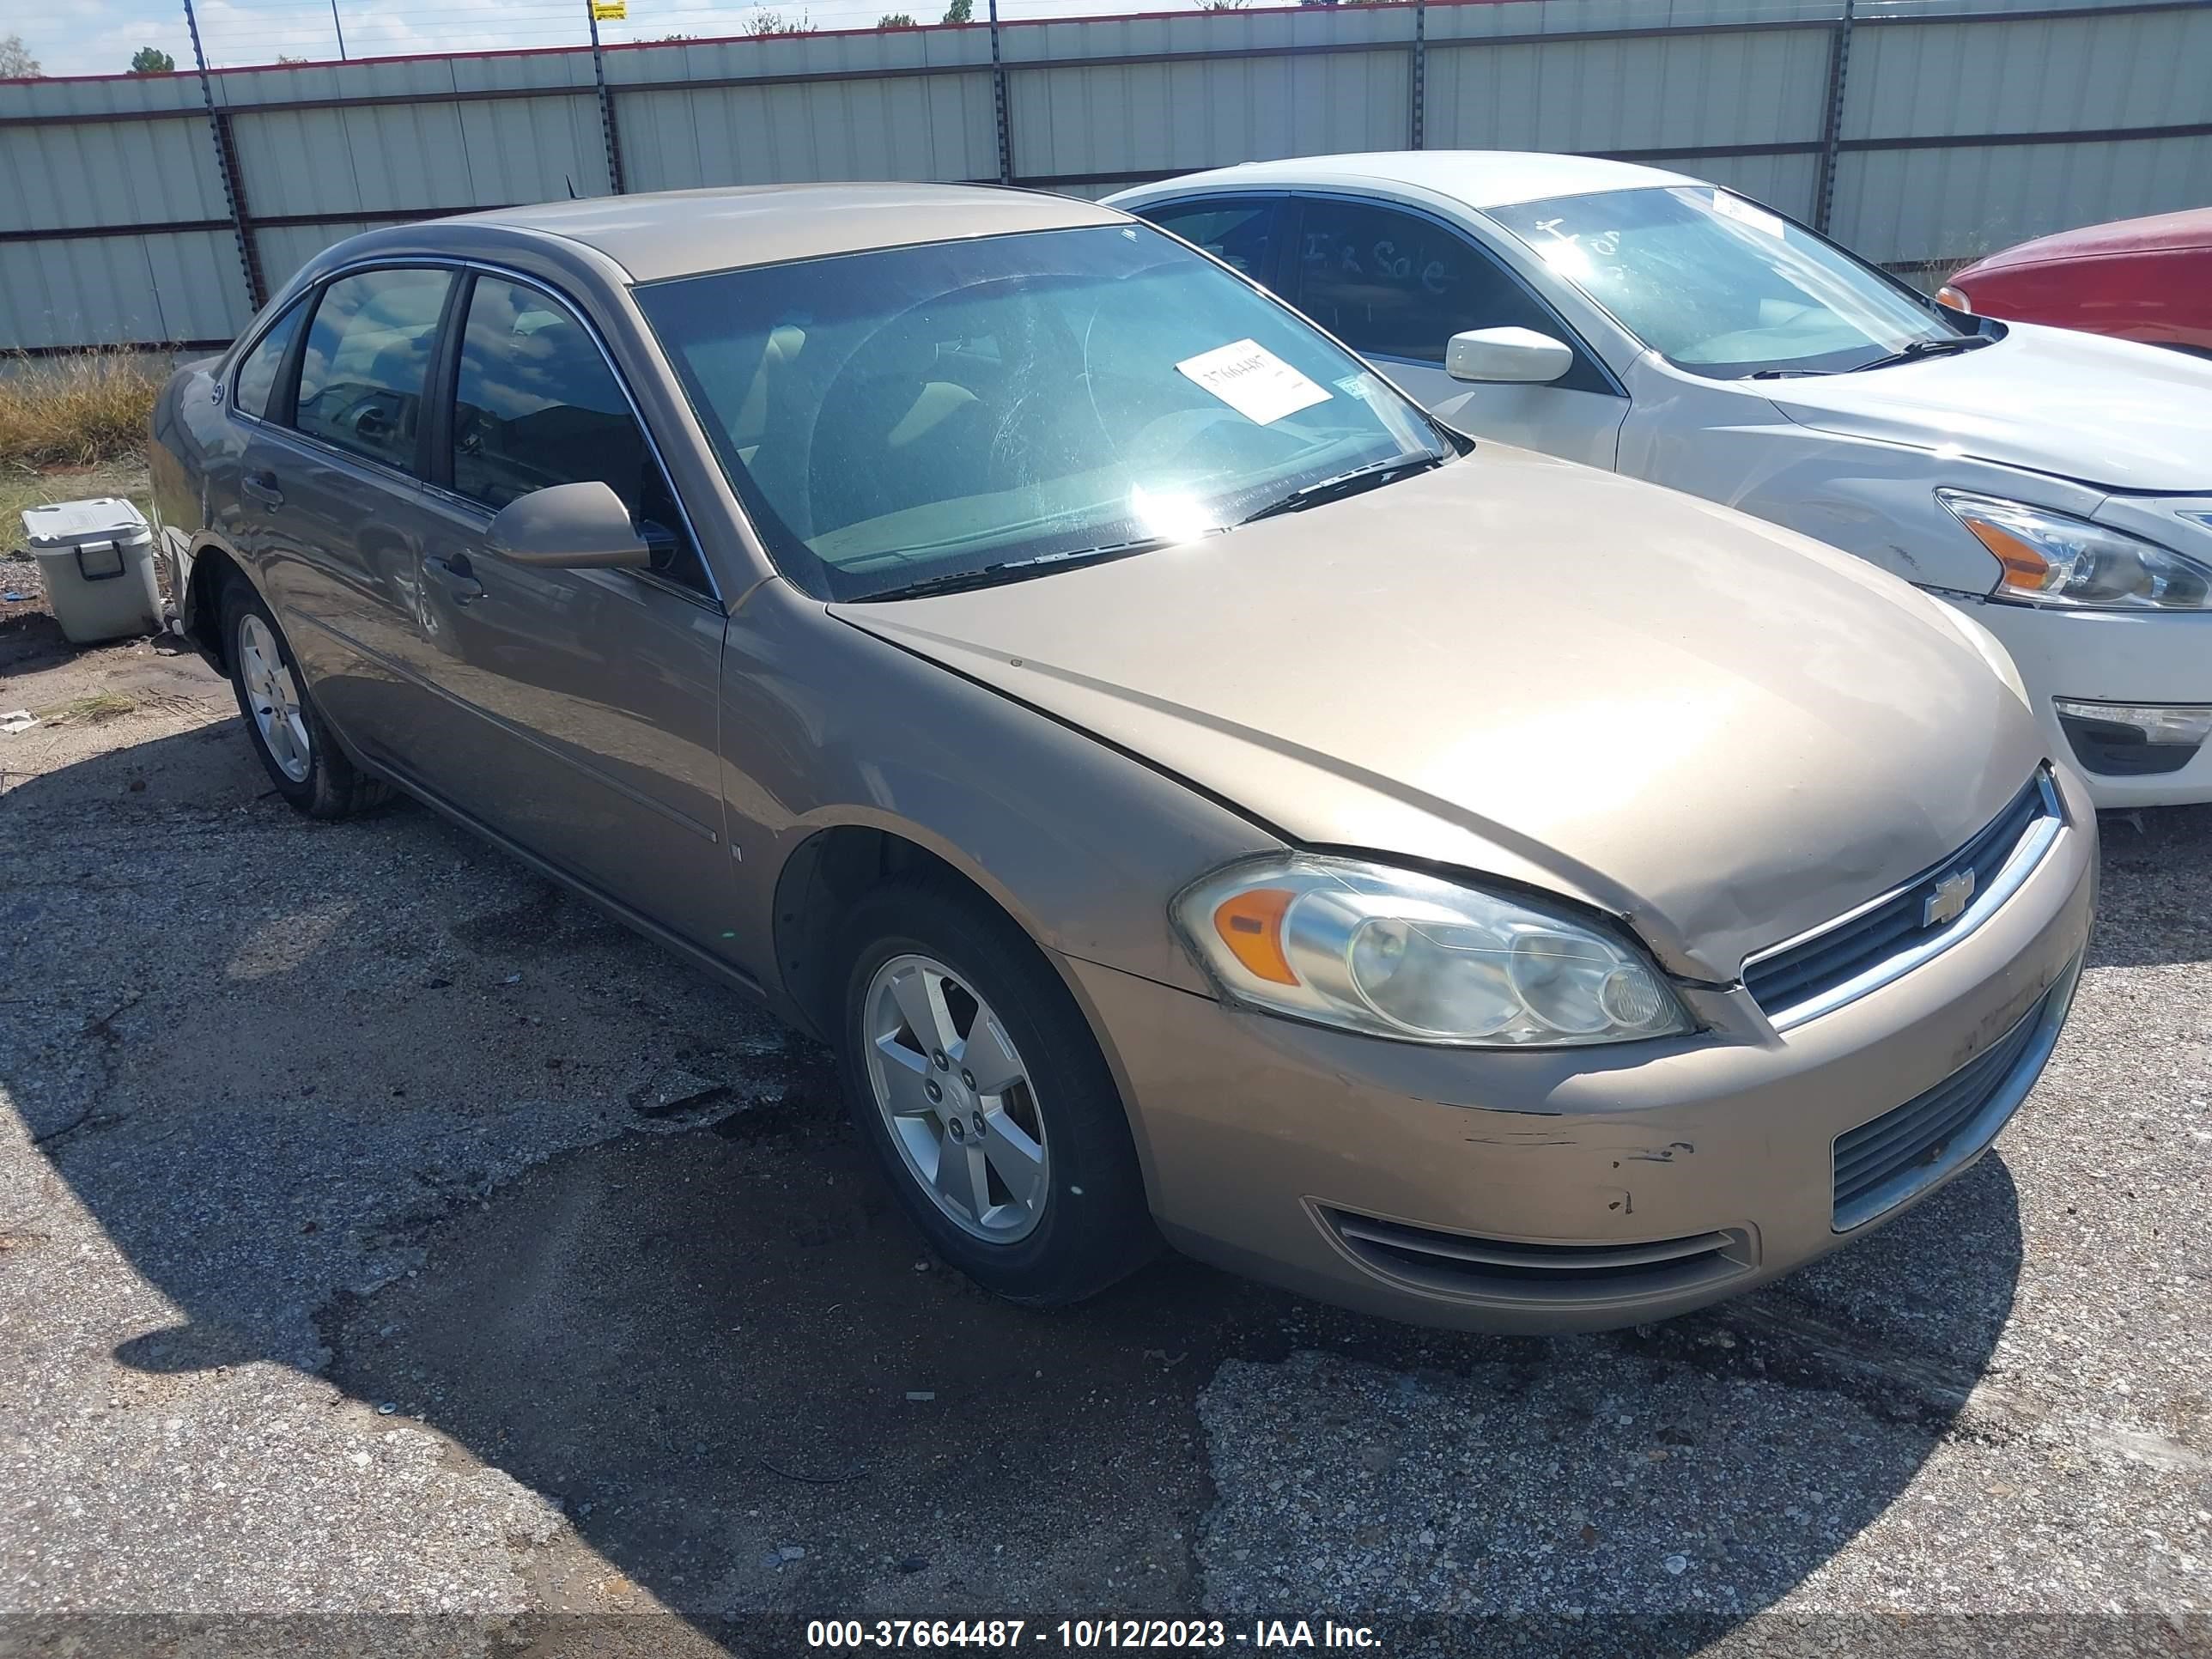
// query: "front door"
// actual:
[[582, 704], [1395, 285]]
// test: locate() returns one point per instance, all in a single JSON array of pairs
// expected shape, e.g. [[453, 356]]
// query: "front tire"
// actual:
[[973, 1074], [282, 722]]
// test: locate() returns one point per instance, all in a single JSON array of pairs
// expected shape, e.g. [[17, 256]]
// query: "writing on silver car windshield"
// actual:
[[1720, 286], [903, 421]]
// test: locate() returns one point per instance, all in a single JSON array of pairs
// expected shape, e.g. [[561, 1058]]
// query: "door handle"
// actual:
[[262, 486], [457, 576]]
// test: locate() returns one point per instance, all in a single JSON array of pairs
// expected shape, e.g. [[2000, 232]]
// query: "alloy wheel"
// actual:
[[274, 696], [956, 1099]]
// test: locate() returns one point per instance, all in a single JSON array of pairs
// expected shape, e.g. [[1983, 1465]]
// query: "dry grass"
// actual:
[[95, 710], [76, 411]]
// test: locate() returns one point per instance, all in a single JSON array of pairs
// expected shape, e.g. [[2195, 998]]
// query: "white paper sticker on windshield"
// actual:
[[1735, 208], [1253, 380]]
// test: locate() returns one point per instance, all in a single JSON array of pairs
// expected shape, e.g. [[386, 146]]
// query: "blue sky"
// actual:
[[97, 37]]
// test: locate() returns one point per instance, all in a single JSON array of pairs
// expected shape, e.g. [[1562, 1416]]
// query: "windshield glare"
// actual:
[[1718, 286], [909, 414]]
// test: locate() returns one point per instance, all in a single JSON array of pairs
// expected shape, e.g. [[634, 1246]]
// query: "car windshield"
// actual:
[[1721, 287], [918, 417]]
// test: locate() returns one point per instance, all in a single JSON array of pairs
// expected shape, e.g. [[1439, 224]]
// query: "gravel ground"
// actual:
[[396, 1256]]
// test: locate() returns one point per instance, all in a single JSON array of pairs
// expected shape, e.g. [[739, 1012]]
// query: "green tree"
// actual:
[[152, 60], [895, 20], [16, 63], [767, 23], [960, 11]]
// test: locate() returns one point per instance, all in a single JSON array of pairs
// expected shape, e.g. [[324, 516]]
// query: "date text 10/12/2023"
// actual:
[[1085, 1635]]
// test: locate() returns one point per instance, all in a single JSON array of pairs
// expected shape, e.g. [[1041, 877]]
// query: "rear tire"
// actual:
[[1000, 1128], [287, 731]]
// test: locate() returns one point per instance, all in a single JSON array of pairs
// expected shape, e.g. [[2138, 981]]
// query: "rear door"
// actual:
[[1395, 284], [330, 484], [258, 391], [1243, 231], [580, 706]]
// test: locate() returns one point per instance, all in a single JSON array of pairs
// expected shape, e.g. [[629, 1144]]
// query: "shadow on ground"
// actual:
[[360, 1099]]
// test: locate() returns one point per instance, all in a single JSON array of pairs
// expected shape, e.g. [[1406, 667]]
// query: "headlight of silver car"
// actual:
[[1400, 955], [2055, 559]]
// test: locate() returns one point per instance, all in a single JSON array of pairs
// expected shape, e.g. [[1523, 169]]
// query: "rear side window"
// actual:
[[1239, 232], [535, 404], [367, 358], [256, 376], [1396, 284]]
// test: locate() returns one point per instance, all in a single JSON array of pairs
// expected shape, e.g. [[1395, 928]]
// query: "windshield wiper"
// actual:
[[1353, 483], [1912, 353], [1013, 570], [1916, 349]]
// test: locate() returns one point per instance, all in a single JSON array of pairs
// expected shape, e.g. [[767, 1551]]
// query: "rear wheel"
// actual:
[[969, 1069], [282, 722]]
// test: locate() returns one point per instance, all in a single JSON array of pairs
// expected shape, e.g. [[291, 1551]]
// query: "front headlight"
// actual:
[[2051, 558], [1400, 955]]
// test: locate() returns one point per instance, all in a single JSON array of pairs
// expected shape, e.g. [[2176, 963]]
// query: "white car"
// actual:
[[2056, 485]]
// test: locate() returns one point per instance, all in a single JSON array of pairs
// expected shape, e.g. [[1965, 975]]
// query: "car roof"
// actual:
[[680, 232], [1476, 178]]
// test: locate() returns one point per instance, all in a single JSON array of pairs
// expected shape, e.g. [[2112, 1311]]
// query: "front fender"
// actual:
[[1871, 498], [1082, 845]]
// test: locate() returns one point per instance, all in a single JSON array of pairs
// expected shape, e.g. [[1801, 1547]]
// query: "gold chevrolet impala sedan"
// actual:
[[1199, 797]]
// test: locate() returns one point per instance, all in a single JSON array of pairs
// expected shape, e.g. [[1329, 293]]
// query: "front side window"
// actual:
[[536, 404], [1721, 287], [366, 357], [1240, 232], [1396, 284], [912, 415], [256, 375]]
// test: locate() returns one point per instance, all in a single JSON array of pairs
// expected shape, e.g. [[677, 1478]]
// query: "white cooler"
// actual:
[[96, 561]]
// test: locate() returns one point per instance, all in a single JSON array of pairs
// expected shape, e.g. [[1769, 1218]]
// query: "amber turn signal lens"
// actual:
[[1947, 296], [1251, 925], [2024, 568]]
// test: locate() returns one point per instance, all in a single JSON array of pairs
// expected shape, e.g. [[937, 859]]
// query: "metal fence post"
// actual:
[[227, 169], [606, 103], [1831, 129], [1419, 113], [999, 100]]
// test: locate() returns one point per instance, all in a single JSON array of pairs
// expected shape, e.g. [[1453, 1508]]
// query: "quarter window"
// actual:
[[535, 404], [256, 376], [366, 356], [1396, 284]]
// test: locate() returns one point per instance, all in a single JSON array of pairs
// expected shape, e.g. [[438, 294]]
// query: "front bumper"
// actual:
[[2111, 657], [1580, 1190]]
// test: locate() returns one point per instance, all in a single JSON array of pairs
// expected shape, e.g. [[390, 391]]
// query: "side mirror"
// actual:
[[1507, 356], [574, 526]]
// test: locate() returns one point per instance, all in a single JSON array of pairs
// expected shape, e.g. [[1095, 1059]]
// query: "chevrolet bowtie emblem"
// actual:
[[1949, 899]]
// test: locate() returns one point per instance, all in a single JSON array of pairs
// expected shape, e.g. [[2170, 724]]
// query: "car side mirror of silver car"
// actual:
[[572, 526], [1507, 356]]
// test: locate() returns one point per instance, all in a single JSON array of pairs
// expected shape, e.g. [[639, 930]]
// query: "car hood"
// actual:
[[2161, 233], [1712, 727], [2106, 412]]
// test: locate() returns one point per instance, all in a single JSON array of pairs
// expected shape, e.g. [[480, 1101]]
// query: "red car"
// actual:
[[2136, 279]]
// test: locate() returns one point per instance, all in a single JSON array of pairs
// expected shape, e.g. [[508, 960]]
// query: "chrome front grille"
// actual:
[[1881, 1163], [1497, 1269], [1845, 958]]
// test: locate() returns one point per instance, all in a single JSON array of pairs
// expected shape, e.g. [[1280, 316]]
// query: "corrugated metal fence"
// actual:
[[164, 209]]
